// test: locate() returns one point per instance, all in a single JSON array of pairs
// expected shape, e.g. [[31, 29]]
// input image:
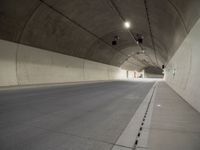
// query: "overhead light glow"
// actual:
[[127, 24]]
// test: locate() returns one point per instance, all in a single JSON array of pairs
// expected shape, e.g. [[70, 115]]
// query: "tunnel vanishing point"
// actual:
[[100, 75]]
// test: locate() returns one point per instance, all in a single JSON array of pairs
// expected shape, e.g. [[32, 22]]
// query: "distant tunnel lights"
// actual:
[[127, 24]]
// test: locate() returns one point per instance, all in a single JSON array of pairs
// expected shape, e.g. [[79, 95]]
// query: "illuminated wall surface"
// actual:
[[183, 70], [22, 65]]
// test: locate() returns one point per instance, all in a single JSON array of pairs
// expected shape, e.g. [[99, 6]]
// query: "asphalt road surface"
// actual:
[[78, 117]]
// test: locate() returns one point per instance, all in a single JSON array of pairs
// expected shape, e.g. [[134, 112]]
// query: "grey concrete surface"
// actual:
[[78, 117], [86, 28], [182, 72], [25, 65], [174, 125]]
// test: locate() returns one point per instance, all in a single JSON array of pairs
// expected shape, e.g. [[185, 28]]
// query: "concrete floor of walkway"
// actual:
[[174, 124]]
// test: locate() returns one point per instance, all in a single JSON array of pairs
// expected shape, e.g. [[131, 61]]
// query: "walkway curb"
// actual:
[[130, 135]]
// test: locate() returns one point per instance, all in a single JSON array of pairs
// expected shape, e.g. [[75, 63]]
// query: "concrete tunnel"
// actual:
[[68, 75]]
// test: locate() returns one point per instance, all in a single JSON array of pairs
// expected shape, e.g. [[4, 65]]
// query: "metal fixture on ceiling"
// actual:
[[58, 27], [139, 38], [114, 7], [115, 40], [83, 28], [140, 52]]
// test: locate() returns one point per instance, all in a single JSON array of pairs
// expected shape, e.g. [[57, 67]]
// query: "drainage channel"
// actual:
[[143, 121]]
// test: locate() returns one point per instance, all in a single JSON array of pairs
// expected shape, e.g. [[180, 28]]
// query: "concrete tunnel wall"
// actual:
[[183, 70], [22, 65]]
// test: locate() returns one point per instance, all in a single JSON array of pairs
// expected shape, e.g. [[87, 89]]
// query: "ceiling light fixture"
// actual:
[[127, 24]]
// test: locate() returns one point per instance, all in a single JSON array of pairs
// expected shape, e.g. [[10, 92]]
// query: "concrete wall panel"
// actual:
[[95, 71], [8, 52], [183, 70], [22, 65], [130, 74], [116, 73], [39, 66]]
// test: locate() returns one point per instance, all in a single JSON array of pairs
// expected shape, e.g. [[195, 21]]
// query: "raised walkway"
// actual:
[[171, 123]]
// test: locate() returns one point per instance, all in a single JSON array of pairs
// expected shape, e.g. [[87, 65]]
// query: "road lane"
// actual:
[[78, 117]]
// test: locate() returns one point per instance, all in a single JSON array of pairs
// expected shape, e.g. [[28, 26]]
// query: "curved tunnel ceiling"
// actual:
[[85, 28]]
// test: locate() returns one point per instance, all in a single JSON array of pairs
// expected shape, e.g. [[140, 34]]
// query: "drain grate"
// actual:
[[143, 121]]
